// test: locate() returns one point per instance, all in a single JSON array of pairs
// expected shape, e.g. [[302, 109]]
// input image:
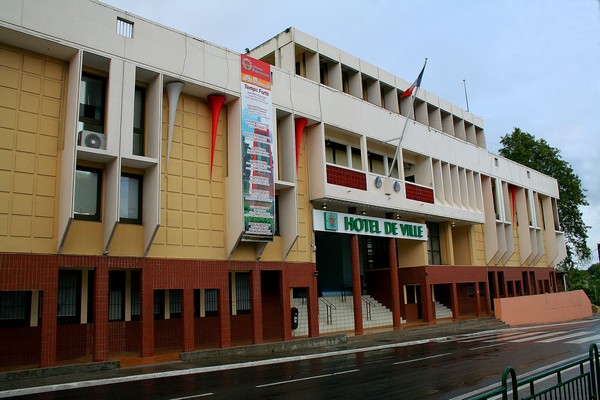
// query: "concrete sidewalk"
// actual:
[[41, 380]]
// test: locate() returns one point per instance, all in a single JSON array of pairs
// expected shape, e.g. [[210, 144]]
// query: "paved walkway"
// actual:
[[168, 364]]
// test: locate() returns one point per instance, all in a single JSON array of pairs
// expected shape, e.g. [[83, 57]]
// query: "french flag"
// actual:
[[416, 84]]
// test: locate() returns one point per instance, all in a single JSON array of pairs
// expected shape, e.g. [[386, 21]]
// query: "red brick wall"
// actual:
[[19, 345], [73, 341], [168, 333], [206, 331], [124, 336], [241, 329], [346, 177], [62, 342], [419, 193]]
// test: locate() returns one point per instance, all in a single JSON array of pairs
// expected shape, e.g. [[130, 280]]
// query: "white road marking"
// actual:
[[544, 335], [421, 359], [193, 397], [512, 337], [585, 339], [571, 335], [488, 346], [308, 378]]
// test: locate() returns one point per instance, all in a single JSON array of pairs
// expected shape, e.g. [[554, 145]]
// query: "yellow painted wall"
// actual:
[[515, 260], [84, 237], [192, 206], [479, 245], [462, 245], [32, 92]]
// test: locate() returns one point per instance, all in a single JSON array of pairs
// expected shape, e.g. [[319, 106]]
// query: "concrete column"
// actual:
[[313, 307], [394, 284], [147, 316], [48, 325], [356, 285], [496, 286], [100, 346], [454, 299], [256, 300], [478, 299], [427, 302], [188, 319], [286, 303], [224, 314], [488, 297]]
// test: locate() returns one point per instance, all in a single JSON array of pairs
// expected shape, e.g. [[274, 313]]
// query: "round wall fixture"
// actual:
[[397, 186], [378, 182]]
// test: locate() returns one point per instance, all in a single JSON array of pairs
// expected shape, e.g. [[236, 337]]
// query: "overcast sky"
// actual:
[[531, 64]]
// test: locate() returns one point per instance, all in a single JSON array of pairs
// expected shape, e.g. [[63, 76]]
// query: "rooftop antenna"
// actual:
[[466, 98]]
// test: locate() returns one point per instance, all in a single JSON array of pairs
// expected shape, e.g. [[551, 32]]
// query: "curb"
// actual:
[[38, 373], [260, 349]]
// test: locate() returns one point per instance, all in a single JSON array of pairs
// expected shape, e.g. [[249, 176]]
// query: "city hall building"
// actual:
[[159, 193]]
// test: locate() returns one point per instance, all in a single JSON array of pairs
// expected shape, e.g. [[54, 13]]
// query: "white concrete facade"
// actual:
[[346, 101]]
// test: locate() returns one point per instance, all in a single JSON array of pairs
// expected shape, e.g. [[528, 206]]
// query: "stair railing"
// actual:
[[329, 307], [368, 304]]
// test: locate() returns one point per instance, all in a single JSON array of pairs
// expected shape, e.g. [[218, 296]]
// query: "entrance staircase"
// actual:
[[441, 311], [336, 314]]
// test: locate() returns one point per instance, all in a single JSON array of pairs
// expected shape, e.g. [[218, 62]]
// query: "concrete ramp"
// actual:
[[543, 308]]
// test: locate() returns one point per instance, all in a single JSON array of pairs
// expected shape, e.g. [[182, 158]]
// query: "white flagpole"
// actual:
[[410, 111]]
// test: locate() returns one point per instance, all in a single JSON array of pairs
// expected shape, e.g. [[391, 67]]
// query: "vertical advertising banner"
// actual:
[[257, 154]]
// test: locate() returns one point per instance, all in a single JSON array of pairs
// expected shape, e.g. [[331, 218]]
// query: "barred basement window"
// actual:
[[69, 297], [136, 295], [15, 308], [159, 304], [116, 295], [242, 291], [175, 301], [211, 302], [124, 28]]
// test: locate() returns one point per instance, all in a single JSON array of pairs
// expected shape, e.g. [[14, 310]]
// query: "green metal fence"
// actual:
[[579, 379]]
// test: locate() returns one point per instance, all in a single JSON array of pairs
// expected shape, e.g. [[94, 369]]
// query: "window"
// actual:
[[88, 188], [376, 164], [336, 153], [471, 288], [69, 297], [394, 168], [116, 296], [15, 308], [92, 102], [356, 159], [411, 295], [139, 115], [124, 28], [130, 201], [241, 285], [159, 304], [324, 74], [495, 200], [136, 295], [376, 250], [211, 302], [345, 82], [433, 243], [175, 300]]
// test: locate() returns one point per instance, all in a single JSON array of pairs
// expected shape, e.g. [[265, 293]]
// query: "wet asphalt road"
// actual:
[[436, 370]]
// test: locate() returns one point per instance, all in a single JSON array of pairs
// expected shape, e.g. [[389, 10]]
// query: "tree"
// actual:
[[523, 148]]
